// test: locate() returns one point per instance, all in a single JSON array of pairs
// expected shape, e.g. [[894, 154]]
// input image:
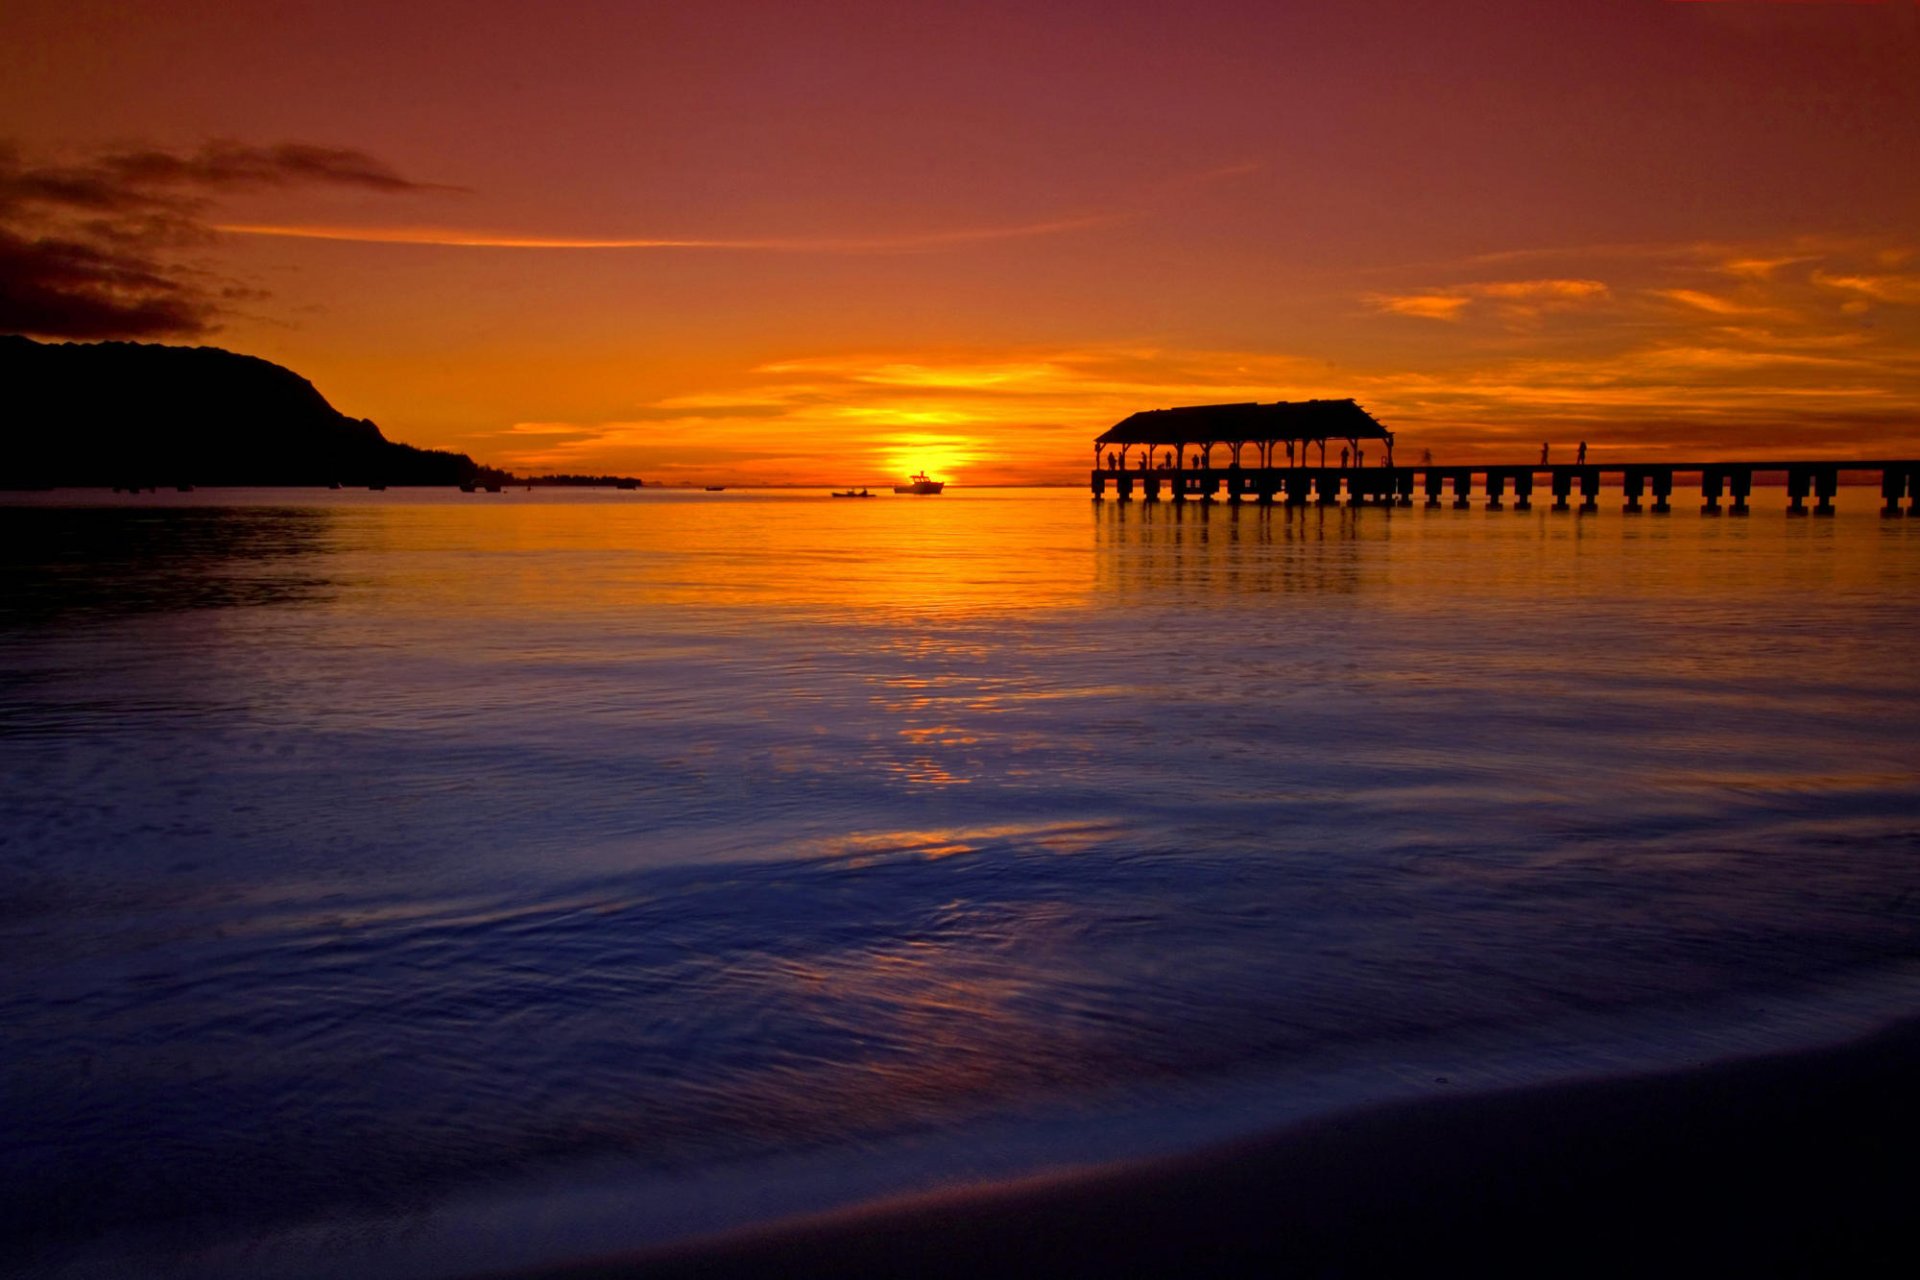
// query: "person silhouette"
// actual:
[[1343, 459], [1426, 457], [1359, 457], [1582, 459], [1543, 453]]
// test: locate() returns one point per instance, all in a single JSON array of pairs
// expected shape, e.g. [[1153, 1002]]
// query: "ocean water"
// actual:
[[412, 884]]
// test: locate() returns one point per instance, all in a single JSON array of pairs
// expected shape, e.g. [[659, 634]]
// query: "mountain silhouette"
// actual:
[[111, 413]]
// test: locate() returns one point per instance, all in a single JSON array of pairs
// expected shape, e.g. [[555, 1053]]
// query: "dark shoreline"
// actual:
[[1799, 1164]]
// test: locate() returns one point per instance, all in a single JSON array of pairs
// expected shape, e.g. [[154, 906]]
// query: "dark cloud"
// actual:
[[68, 289], [90, 249]]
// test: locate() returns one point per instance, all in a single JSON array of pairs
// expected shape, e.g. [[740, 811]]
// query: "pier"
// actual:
[[1170, 453]]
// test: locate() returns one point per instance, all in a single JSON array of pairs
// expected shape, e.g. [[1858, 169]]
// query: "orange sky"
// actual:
[[832, 243]]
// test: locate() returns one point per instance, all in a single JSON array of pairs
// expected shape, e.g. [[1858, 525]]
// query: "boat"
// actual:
[[919, 483], [852, 493], [716, 488]]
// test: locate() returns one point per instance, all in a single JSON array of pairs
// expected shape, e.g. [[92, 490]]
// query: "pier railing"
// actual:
[[1643, 485]]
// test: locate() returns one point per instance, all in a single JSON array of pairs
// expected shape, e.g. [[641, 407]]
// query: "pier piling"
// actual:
[[1562, 482], [1711, 483], [1798, 480], [1394, 486]]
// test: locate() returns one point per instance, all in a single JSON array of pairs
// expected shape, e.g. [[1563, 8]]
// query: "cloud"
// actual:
[[456, 239], [1513, 299], [1426, 306], [91, 249], [1713, 304], [1878, 288]]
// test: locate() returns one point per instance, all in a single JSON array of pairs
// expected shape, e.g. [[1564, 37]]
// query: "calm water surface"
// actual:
[[413, 883]]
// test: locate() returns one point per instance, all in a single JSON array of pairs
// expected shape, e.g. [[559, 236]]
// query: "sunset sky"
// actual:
[[836, 242]]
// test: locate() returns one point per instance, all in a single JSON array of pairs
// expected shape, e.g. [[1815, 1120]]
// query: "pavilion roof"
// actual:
[[1228, 423]]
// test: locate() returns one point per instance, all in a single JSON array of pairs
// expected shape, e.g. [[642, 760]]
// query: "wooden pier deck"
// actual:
[[1644, 486]]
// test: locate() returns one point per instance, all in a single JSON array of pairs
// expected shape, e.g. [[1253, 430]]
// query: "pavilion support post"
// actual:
[[1662, 490], [1711, 482], [1326, 485], [1826, 483], [1589, 489], [1893, 485], [1561, 480], [1496, 488], [1435, 483], [1739, 485], [1099, 484], [1633, 484], [1462, 489], [1799, 479]]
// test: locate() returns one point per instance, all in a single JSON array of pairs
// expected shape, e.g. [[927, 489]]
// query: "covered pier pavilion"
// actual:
[[1269, 452]]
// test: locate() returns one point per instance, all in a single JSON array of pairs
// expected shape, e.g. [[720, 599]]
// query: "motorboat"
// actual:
[[919, 483], [852, 493]]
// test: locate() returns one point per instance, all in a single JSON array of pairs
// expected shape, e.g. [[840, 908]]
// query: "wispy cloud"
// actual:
[[93, 248], [902, 243], [1510, 299]]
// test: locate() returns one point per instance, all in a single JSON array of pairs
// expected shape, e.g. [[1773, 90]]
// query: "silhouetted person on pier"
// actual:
[[1543, 453], [1359, 457], [1582, 459], [1426, 457], [1343, 459]]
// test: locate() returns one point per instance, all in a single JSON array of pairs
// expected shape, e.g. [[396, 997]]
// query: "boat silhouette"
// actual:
[[918, 483]]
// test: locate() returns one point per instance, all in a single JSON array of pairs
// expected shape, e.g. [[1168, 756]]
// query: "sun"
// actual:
[[941, 457]]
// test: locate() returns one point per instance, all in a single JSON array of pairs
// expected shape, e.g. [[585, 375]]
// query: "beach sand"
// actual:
[[1793, 1165]]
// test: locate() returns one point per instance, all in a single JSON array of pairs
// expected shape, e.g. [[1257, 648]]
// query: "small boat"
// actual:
[[852, 493], [716, 488], [920, 484]]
